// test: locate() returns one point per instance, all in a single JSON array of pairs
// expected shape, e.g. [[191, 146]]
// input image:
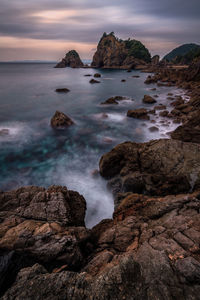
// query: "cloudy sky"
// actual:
[[46, 29]]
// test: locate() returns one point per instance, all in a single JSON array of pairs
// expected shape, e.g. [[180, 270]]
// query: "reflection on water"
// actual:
[[31, 153]]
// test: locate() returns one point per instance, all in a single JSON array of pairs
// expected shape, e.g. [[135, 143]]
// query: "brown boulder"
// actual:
[[60, 120], [94, 81], [114, 100], [148, 99], [140, 113]]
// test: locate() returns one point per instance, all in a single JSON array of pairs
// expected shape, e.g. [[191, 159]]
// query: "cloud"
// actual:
[[159, 24]]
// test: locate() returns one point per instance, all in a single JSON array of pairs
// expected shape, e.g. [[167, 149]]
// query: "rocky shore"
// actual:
[[149, 250]]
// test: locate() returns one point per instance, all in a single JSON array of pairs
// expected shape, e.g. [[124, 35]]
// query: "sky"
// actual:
[[47, 29]]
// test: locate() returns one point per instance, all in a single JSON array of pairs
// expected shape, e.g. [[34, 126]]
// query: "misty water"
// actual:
[[32, 153]]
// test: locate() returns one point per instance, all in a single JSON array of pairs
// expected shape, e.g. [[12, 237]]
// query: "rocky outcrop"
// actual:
[[159, 167], [60, 120], [114, 100], [148, 251], [148, 99], [140, 113], [114, 53], [72, 59]]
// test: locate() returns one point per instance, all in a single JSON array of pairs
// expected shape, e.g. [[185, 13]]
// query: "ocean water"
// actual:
[[32, 153]]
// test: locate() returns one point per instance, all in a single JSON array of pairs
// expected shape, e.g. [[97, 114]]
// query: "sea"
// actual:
[[32, 153]]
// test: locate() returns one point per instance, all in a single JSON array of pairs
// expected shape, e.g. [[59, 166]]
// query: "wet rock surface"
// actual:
[[159, 167], [140, 113], [60, 120]]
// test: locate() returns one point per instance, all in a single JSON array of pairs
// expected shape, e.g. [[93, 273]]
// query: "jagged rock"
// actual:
[[62, 90], [72, 59], [114, 53], [150, 250], [189, 131], [148, 99], [97, 75], [94, 81], [160, 107], [157, 168], [60, 120], [153, 129], [123, 80], [140, 113], [114, 100]]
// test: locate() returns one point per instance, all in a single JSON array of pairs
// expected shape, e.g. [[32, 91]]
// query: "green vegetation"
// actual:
[[186, 50], [188, 57], [137, 50]]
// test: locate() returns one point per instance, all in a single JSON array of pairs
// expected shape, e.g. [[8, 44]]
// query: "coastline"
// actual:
[[152, 235]]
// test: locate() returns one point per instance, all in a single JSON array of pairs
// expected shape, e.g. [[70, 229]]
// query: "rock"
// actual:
[[97, 75], [159, 166], [123, 80], [160, 107], [189, 131], [148, 99], [41, 225], [63, 90], [136, 76], [71, 59], [92, 81], [150, 250], [114, 100], [155, 60], [61, 121], [140, 113], [153, 129], [164, 113], [114, 53], [88, 75], [129, 71], [4, 132], [153, 89]]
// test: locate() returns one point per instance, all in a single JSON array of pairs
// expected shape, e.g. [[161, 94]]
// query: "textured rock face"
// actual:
[[72, 59], [114, 53], [159, 167], [140, 113], [148, 99], [61, 121], [150, 250], [155, 60]]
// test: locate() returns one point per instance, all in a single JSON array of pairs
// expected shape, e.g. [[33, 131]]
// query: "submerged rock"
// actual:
[[4, 132], [94, 81], [97, 75], [114, 100], [140, 113], [148, 99], [62, 90], [60, 120], [72, 59]]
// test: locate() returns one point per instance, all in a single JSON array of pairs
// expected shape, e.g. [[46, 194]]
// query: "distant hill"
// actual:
[[181, 51]]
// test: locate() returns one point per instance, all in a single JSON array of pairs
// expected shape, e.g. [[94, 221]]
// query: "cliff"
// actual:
[[71, 59], [116, 53]]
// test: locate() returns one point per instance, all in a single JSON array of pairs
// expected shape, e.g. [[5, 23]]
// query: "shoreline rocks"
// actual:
[[140, 113]]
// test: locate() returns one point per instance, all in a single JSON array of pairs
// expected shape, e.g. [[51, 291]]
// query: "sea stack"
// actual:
[[71, 59], [115, 53]]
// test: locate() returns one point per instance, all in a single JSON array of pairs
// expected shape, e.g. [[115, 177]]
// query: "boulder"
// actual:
[[97, 75], [155, 168], [62, 90], [148, 99], [72, 59], [92, 81], [114, 100], [140, 113], [155, 60], [60, 120]]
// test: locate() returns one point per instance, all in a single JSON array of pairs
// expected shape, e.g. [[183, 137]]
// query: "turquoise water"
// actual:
[[35, 154]]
